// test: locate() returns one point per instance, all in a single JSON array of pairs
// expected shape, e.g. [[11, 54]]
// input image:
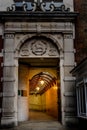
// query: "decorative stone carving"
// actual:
[[52, 52], [9, 36], [39, 27], [68, 36], [38, 48], [24, 52], [37, 5]]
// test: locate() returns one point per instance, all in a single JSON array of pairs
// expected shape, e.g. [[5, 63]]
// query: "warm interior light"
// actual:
[[42, 82], [55, 87], [37, 88]]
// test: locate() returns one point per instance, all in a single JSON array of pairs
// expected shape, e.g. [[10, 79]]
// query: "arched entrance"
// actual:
[[38, 58], [35, 40]]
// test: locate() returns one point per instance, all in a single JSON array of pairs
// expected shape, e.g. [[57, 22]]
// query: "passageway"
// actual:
[[39, 90], [43, 94]]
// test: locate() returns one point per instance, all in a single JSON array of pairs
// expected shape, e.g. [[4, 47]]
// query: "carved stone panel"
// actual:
[[39, 27], [38, 47]]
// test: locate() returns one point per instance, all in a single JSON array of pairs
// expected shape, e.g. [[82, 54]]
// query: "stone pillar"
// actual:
[[69, 81], [62, 88], [1, 68], [10, 83]]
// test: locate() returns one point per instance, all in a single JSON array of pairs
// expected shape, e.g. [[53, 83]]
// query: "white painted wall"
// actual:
[[23, 103], [23, 109]]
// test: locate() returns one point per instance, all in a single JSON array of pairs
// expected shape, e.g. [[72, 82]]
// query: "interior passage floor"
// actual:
[[40, 116]]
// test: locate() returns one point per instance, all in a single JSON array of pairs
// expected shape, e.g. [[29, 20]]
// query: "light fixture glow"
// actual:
[[55, 87], [42, 82], [37, 88]]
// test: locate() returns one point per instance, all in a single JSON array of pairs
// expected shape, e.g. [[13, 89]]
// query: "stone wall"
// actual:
[[10, 83], [1, 73], [37, 102], [1, 67], [61, 34], [51, 102]]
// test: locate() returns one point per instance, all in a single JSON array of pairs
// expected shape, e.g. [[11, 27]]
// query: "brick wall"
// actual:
[[1, 73], [81, 30]]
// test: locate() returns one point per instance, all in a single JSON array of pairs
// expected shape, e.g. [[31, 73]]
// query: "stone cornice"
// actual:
[[38, 16]]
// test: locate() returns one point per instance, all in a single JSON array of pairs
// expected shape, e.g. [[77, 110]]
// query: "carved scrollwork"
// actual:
[[43, 7], [12, 8], [52, 7], [63, 9], [25, 7], [34, 6], [37, 6]]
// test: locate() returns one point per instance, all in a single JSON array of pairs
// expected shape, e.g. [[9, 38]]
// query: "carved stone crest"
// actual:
[[38, 48]]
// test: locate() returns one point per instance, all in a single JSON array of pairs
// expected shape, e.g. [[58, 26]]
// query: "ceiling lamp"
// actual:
[[42, 82], [37, 88]]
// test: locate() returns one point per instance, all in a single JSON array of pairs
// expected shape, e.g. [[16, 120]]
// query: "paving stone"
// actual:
[[41, 126]]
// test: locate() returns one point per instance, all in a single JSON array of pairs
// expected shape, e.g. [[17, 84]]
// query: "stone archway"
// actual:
[[34, 48], [55, 33], [46, 45]]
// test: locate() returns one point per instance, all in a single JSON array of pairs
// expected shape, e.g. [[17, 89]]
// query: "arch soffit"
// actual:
[[47, 36]]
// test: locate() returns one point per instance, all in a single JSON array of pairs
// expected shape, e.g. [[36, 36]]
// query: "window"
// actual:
[[81, 90]]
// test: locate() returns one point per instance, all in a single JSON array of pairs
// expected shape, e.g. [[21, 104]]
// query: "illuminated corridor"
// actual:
[[39, 91]]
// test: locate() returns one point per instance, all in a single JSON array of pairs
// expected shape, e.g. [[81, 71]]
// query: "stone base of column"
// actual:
[[8, 122]]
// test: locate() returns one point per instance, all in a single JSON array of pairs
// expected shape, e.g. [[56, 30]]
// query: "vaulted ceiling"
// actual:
[[41, 82]]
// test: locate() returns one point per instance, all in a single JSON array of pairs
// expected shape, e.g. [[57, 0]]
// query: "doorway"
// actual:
[[39, 89]]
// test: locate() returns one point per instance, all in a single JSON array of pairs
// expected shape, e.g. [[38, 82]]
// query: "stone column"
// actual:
[[62, 88], [10, 83], [1, 68], [69, 81]]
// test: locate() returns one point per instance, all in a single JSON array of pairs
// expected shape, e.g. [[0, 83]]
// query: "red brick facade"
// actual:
[[81, 30]]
